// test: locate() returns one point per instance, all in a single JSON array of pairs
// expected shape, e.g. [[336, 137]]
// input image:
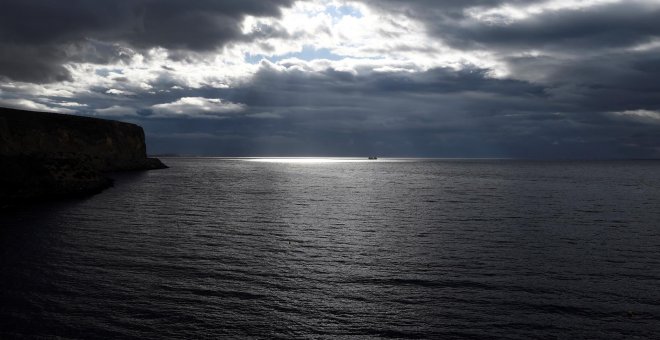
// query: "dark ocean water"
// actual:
[[214, 248]]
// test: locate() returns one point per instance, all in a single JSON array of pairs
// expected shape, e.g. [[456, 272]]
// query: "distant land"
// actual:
[[49, 155]]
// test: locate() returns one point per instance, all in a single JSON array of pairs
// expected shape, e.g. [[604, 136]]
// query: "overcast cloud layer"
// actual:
[[473, 78]]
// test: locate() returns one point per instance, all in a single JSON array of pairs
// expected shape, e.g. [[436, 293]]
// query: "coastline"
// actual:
[[49, 156]]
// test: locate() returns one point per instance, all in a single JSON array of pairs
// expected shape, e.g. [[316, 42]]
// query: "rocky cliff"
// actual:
[[49, 155]]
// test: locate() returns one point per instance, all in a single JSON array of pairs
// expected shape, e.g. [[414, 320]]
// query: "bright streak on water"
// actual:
[[309, 160]]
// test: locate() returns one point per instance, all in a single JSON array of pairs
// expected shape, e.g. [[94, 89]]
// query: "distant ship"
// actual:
[[373, 158]]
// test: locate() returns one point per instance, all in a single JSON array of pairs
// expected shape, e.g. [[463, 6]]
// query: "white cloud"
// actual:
[[116, 111], [30, 105], [508, 13], [654, 43], [117, 92], [197, 107], [647, 116], [359, 34], [71, 104]]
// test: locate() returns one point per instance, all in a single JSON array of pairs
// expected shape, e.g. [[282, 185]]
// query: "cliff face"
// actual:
[[49, 155], [104, 144]]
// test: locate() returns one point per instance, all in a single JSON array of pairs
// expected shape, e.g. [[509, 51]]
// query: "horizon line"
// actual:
[[400, 157]]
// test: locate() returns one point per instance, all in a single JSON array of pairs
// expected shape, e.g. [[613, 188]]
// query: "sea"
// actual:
[[327, 248]]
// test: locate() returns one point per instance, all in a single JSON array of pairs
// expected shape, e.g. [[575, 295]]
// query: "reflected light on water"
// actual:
[[308, 160]]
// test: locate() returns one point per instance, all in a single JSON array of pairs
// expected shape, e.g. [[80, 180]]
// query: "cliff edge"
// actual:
[[50, 155]]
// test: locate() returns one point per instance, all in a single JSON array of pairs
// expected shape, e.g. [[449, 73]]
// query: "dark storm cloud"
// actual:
[[38, 36], [439, 112], [587, 65], [602, 27], [33, 63], [428, 9], [598, 26], [615, 82]]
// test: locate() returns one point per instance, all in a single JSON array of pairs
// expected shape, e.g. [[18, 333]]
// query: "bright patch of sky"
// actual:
[[346, 32], [308, 53], [339, 11], [104, 72]]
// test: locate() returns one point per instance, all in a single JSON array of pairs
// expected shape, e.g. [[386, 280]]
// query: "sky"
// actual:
[[426, 78]]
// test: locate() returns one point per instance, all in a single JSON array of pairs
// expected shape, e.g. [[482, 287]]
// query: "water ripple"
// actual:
[[414, 249]]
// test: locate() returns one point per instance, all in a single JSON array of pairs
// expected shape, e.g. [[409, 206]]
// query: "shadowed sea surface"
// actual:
[[214, 248]]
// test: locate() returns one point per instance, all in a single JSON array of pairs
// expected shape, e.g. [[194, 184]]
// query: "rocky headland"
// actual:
[[49, 156]]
